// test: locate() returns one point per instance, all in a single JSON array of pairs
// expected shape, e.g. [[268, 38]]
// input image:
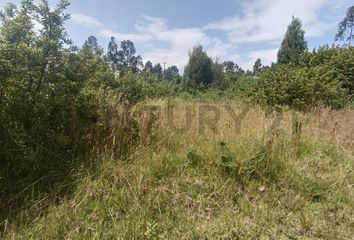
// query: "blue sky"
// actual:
[[238, 30]]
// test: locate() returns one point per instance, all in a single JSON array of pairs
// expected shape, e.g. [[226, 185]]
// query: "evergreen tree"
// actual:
[[171, 73], [112, 53], [199, 70], [293, 44], [257, 67], [157, 70], [346, 28], [148, 67], [228, 66]]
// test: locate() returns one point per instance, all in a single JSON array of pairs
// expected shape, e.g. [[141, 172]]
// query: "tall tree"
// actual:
[[93, 66], [127, 58], [112, 53], [293, 44], [239, 70], [91, 46], [148, 67], [229, 66], [171, 73], [199, 70], [257, 67], [157, 70], [346, 28]]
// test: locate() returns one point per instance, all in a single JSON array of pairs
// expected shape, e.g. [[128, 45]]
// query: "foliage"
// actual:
[[132, 88], [300, 88], [257, 67], [338, 61], [172, 74], [346, 28], [231, 67], [293, 44], [124, 59], [157, 70], [198, 73]]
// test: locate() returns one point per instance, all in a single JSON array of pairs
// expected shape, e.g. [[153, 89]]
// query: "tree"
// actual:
[[229, 66], [249, 73], [127, 58], [93, 66], [171, 73], [157, 70], [199, 71], [293, 44], [239, 70], [42, 85], [91, 46], [112, 53], [257, 67], [148, 67], [346, 28]]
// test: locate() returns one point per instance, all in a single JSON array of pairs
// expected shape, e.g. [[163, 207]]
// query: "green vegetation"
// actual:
[[293, 44], [87, 150]]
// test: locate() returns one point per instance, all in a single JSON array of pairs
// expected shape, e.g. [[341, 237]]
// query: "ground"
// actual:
[[235, 172]]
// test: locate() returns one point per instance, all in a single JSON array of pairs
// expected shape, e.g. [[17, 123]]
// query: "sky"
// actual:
[[237, 30]]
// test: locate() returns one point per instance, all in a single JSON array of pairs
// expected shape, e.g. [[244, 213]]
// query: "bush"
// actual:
[[132, 88], [299, 88]]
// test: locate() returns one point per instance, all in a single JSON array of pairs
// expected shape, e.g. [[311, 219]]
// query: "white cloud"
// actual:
[[158, 29], [266, 20], [180, 41], [267, 56], [85, 20], [149, 29], [133, 37], [259, 22]]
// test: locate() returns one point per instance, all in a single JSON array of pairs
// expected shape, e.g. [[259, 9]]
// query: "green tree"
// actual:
[[44, 109], [157, 70], [239, 71], [229, 66], [346, 28], [93, 66], [293, 44], [199, 70], [91, 46], [127, 58], [257, 67], [171, 73], [112, 53], [148, 67]]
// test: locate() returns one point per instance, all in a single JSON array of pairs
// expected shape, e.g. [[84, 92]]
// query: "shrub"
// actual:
[[299, 88]]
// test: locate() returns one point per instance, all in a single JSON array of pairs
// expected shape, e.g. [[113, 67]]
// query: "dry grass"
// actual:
[[255, 182]]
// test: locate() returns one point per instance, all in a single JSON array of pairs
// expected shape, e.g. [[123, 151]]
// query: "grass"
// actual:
[[224, 184]]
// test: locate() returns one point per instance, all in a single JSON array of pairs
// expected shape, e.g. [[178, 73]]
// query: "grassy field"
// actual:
[[233, 172]]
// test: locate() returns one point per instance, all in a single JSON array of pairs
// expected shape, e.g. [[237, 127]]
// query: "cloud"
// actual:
[[260, 23], [158, 29], [85, 20], [179, 40], [267, 56], [267, 20], [133, 37]]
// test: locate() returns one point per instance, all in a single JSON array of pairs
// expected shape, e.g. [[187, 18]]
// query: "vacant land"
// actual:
[[98, 143], [229, 172]]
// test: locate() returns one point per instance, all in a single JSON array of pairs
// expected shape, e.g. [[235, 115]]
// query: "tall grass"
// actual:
[[248, 179]]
